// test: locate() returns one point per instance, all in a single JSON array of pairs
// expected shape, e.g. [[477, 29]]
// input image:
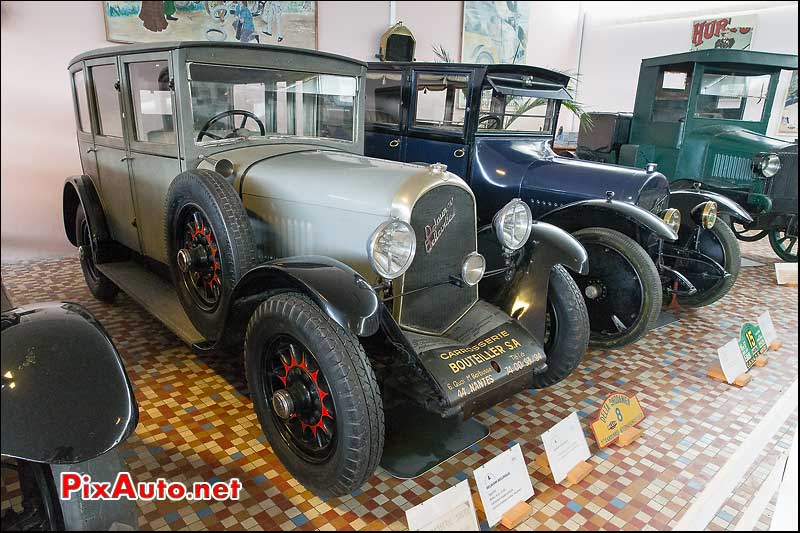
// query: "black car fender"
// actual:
[[686, 199], [65, 395], [620, 216], [80, 191], [341, 292]]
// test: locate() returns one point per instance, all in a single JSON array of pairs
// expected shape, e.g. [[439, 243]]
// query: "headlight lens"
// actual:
[[513, 224], [673, 219], [473, 269], [391, 248], [709, 215], [767, 164]]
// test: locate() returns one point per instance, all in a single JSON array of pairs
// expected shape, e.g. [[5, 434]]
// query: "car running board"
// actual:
[[155, 294]]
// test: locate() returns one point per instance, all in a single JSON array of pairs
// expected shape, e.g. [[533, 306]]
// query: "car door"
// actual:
[[437, 120], [111, 151], [83, 123], [152, 130], [383, 116]]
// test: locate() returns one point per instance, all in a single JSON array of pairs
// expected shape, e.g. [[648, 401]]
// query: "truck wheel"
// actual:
[[44, 510], [784, 244], [719, 243], [100, 286], [209, 246], [567, 329], [622, 289], [315, 395]]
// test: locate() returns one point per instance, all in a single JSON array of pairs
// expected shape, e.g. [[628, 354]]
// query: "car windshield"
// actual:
[[732, 96], [231, 102], [516, 114]]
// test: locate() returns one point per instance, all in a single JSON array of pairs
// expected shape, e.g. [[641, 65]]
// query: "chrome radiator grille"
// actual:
[[444, 222], [737, 169]]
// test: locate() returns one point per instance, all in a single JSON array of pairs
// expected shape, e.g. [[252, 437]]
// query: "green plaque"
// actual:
[[751, 343]]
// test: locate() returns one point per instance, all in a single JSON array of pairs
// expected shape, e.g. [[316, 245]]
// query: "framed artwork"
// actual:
[[282, 23], [788, 124], [495, 32]]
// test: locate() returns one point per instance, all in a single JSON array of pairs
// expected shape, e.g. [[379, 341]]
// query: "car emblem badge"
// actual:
[[435, 230]]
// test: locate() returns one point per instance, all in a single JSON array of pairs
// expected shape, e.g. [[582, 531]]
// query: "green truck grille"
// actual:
[[733, 168]]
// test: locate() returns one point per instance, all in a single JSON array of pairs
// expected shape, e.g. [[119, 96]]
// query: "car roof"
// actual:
[[174, 45], [490, 69], [726, 55]]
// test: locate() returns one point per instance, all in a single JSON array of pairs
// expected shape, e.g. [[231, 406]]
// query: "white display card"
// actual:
[[767, 328], [450, 510], [503, 482], [565, 446], [731, 361]]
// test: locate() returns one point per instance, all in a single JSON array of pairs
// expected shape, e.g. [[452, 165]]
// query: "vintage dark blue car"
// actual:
[[493, 125]]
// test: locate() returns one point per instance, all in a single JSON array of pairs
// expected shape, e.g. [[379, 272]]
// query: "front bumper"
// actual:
[[486, 357]]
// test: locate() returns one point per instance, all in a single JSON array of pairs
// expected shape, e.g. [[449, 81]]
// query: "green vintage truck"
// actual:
[[702, 117]]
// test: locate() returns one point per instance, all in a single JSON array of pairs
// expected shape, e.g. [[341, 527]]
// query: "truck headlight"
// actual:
[[767, 164], [512, 224], [391, 248], [705, 214], [673, 218]]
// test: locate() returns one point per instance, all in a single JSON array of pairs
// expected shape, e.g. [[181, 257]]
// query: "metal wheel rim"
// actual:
[[694, 271], [87, 258], [780, 236], [204, 284], [551, 327], [311, 431]]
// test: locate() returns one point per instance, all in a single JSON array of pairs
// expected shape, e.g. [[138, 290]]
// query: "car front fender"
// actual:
[[620, 216], [65, 395], [685, 200]]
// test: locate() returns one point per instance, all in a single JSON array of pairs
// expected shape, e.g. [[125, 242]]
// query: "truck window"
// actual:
[[384, 90], [104, 80], [672, 93], [730, 96], [152, 102], [79, 83], [441, 101]]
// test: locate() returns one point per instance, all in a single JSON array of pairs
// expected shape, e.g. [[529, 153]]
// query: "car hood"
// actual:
[[736, 139], [335, 179]]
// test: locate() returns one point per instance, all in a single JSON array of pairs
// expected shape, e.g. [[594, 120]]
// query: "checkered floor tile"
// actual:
[[197, 422]]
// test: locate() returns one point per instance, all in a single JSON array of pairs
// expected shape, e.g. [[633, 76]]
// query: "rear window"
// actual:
[[384, 91], [79, 81], [104, 80]]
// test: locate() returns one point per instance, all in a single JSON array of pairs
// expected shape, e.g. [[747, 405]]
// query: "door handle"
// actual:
[[90, 150], [459, 152], [126, 158], [394, 143]]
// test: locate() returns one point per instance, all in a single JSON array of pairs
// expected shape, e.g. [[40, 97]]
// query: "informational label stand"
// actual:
[[738, 356], [617, 420], [451, 510], [503, 484], [566, 451]]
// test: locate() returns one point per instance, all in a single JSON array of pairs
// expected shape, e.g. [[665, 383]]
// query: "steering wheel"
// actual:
[[230, 113], [494, 122]]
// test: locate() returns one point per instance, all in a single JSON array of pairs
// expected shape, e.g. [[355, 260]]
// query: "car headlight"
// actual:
[[391, 248], [705, 214], [473, 268], [512, 224], [673, 218], [767, 164]]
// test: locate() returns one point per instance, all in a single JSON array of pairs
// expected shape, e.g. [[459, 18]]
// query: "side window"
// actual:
[[672, 93], [441, 101], [79, 83], [152, 102], [384, 91], [104, 80]]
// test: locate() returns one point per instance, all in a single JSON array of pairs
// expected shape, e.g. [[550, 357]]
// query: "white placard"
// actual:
[[503, 482], [565, 446], [767, 328], [731, 361], [451, 510]]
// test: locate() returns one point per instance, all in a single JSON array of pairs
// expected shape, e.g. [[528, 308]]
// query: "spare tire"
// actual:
[[209, 246]]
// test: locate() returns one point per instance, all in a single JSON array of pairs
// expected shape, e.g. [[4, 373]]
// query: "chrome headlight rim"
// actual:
[[466, 269], [767, 164], [672, 218], [710, 214], [499, 224], [373, 243]]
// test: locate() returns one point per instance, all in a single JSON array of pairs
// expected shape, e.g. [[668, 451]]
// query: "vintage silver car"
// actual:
[[224, 189]]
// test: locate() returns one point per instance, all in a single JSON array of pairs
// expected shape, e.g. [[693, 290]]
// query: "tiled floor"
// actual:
[[197, 422]]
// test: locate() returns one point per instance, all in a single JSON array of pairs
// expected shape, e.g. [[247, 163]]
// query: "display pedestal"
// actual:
[[576, 475], [417, 440], [775, 345], [516, 515], [628, 436], [715, 372], [762, 360]]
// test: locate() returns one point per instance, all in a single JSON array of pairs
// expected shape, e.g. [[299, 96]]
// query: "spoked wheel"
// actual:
[[718, 244], [622, 290], [315, 394], [784, 244], [198, 258], [747, 235], [101, 287], [302, 406]]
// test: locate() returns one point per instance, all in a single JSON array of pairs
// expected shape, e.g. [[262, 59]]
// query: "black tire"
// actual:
[[784, 244], [356, 443], [230, 250], [629, 288], [567, 335], [721, 244], [100, 286]]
